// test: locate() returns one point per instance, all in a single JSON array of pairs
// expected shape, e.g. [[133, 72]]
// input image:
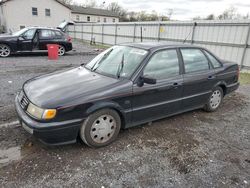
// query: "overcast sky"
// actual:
[[183, 9]]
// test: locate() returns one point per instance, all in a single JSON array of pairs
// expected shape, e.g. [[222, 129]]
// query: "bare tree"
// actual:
[[210, 17], [170, 13], [228, 14], [120, 11], [68, 2]]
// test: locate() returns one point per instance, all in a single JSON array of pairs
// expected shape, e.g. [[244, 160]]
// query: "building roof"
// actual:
[[92, 11], [82, 10], [4, 1]]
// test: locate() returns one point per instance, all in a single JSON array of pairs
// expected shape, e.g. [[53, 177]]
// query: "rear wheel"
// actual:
[[4, 50], [101, 128], [61, 50], [215, 100]]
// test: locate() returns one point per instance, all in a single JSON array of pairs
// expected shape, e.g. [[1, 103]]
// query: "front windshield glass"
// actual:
[[117, 61], [18, 33]]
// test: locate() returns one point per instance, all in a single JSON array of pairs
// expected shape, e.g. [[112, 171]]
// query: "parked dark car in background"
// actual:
[[34, 39], [122, 87]]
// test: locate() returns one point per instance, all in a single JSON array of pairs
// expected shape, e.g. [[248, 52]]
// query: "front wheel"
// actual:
[[101, 128], [215, 100], [4, 50], [61, 50]]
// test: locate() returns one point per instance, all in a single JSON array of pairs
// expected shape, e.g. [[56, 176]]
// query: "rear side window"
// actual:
[[162, 65], [213, 60], [46, 34], [58, 34], [194, 60]]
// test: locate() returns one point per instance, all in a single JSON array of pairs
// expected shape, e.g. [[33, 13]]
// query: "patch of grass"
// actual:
[[97, 45], [244, 78]]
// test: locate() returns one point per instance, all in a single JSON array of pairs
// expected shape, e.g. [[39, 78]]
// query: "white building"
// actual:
[[82, 14], [17, 14]]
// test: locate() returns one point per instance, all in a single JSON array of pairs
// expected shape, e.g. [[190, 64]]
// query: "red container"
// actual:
[[52, 51]]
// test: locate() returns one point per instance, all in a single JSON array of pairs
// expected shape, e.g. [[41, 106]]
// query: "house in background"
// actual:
[[18, 14], [82, 14]]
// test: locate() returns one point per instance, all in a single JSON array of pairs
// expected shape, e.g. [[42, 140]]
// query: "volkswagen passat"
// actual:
[[122, 87]]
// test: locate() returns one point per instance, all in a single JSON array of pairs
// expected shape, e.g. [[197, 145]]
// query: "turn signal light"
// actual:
[[49, 114]]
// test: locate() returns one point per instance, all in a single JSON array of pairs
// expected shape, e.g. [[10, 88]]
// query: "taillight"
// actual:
[[69, 39], [238, 73]]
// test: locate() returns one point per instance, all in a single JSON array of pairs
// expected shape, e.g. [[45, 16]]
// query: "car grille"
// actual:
[[23, 100]]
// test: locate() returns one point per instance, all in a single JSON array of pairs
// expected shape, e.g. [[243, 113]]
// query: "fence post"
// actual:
[[115, 33], [141, 34], [159, 32], [245, 48], [74, 31], [82, 31], [134, 32], [193, 32], [102, 33], [92, 31]]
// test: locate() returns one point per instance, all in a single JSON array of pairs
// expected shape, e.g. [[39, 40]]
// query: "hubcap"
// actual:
[[61, 51], [4, 51], [103, 129], [215, 99]]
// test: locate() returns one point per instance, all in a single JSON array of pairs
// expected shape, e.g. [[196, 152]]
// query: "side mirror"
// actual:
[[147, 80], [21, 38]]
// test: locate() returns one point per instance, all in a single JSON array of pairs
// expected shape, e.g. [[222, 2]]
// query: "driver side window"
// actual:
[[28, 35], [162, 65]]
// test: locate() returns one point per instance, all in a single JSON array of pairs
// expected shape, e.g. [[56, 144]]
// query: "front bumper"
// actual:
[[50, 133]]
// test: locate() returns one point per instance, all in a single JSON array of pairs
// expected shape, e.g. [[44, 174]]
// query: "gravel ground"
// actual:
[[195, 149]]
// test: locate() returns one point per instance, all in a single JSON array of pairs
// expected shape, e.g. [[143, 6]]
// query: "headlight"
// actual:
[[40, 113]]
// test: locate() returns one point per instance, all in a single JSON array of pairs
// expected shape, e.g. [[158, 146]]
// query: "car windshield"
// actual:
[[18, 33], [117, 61]]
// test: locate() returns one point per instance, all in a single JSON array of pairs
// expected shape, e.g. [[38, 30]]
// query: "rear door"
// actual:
[[46, 36], [163, 98], [199, 78]]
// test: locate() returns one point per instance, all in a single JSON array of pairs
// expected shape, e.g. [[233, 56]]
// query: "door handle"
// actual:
[[211, 77], [175, 85]]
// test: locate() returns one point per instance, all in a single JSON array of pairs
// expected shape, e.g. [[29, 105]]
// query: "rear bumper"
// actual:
[[68, 47], [52, 133], [232, 87]]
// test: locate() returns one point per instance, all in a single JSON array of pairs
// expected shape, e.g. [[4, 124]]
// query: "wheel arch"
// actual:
[[108, 105], [223, 86], [7, 44]]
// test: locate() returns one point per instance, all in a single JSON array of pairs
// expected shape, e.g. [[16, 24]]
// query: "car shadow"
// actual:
[[34, 54]]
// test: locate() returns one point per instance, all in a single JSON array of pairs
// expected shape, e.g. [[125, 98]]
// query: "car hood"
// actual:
[[6, 37], [61, 88]]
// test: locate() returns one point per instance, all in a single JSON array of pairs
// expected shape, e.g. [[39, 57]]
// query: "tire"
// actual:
[[5, 50], [61, 50], [214, 100], [100, 128]]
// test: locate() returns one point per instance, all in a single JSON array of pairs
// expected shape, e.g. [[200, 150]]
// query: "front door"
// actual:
[[199, 78], [25, 41], [152, 102]]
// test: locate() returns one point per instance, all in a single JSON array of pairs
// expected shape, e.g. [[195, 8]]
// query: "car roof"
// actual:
[[50, 28], [157, 45]]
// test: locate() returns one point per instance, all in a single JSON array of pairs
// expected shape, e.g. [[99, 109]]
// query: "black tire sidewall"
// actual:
[[86, 127]]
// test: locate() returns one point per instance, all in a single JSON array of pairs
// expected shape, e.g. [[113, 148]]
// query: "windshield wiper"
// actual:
[[97, 64], [120, 68]]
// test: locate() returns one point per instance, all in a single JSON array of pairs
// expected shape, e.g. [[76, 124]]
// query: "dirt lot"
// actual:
[[195, 149]]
